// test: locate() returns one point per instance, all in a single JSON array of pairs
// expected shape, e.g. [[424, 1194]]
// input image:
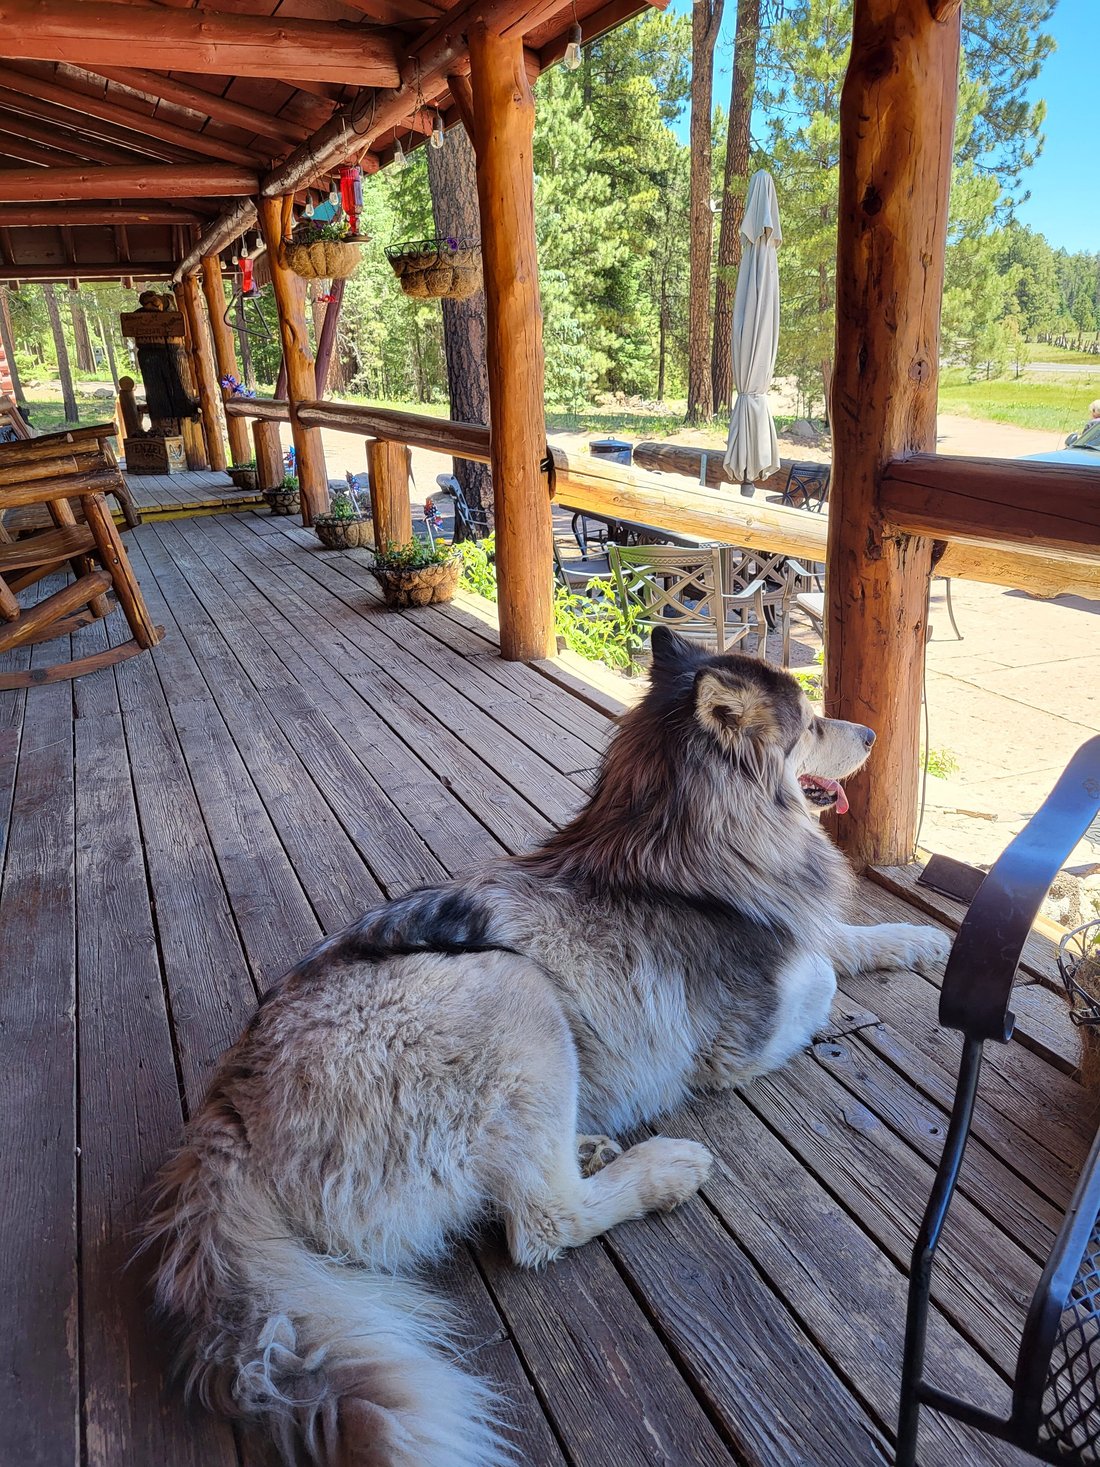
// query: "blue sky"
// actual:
[[1065, 181]]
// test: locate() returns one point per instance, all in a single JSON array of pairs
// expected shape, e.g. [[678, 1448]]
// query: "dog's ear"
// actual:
[[734, 710], [671, 652]]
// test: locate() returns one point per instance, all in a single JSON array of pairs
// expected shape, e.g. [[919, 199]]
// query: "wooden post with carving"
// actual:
[[298, 360], [896, 130], [225, 354], [504, 120], [194, 442], [210, 393]]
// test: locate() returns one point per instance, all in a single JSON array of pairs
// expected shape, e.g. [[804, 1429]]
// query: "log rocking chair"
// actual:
[[1055, 1412], [102, 576]]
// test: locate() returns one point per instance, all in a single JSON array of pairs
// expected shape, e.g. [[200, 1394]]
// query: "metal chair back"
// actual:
[[1055, 1412], [683, 589]]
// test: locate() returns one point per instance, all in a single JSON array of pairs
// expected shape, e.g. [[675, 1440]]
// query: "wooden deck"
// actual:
[[195, 491], [185, 824]]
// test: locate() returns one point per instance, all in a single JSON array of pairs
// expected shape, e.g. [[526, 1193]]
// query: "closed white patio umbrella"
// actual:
[[752, 450]]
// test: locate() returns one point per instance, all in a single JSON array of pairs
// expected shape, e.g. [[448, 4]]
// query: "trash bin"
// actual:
[[612, 449]]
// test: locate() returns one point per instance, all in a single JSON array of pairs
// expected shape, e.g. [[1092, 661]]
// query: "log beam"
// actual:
[[225, 353], [896, 122], [88, 270], [141, 125], [994, 502], [504, 122], [160, 86], [388, 468], [87, 33], [54, 216], [298, 361], [131, 181]]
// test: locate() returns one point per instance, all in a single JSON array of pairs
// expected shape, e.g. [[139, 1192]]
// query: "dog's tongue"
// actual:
[[836, 788]]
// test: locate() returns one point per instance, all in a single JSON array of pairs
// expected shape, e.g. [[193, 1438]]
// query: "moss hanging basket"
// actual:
[[427, 585], [344, 532], [314, 255], [443, 268]]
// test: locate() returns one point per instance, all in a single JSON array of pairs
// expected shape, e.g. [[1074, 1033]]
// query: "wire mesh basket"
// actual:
[[1079, 965]]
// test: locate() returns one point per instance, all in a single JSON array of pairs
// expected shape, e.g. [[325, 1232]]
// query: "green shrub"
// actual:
[[941, 763], [478, 573], [415, 554], [598, 628]]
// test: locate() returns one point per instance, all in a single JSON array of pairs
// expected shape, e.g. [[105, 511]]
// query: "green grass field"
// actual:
[[1060, 404], [1039, 351]]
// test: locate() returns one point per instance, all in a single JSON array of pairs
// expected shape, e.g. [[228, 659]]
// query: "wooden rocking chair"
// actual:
[[93, 550]]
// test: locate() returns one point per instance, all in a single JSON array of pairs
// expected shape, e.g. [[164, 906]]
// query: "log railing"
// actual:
[[1031, 526]]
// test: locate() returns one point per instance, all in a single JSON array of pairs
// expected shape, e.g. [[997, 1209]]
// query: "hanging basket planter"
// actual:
[[343, 532], [318, 252], [286, 498], [443, 268]]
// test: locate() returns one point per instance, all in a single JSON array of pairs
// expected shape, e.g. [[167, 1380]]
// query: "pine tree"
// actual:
[[452, 176], [734, 189], [706, 18], [61, 351]]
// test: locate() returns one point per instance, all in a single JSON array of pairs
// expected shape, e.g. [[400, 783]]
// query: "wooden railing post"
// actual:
[[298, 360], [202, 354], [504, 120], [897, 116], [388, 466], [225, 353], [268, 454]]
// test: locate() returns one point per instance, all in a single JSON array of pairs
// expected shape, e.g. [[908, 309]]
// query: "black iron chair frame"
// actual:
[[977, 990]]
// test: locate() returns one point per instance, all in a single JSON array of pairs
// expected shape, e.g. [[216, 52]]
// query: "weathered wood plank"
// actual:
[[980, 1284], [130, 1113], [402, 818], [39, 1368], [611, 1391], [848, 1296]]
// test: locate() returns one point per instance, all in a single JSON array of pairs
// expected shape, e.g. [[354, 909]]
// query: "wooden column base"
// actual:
[[269, 454], [389, 465]]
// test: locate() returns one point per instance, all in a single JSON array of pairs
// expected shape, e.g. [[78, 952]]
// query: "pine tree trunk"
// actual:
[[734, 189], [85, 356], [706, 17], [8, 340], [452, 176], [64, 371], [108, 344]]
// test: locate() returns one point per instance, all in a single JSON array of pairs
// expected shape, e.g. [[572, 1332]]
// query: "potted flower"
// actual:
[[244, 476], [285, 499], [443, 268], [418, 573], [345, 527], [323, 251]]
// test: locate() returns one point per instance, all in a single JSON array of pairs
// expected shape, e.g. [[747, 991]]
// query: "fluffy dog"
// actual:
[[443, 1059]]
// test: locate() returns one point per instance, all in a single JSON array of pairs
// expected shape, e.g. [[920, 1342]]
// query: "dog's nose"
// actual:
[[868, 736]]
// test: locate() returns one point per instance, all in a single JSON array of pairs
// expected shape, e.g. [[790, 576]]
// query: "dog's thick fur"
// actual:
[[434, 1063]]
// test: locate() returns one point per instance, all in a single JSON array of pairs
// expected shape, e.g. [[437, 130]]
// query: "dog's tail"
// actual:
[[345, 1367]]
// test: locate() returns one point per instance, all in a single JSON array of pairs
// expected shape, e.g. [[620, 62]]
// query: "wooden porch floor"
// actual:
[[183, 825], [193, 491]]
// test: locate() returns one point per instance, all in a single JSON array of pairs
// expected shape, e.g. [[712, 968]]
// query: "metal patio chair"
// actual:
[[807, 486], [682, 588], [1055, 1411]]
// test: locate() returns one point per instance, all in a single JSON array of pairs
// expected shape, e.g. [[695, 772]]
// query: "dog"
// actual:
[[468, 1051]]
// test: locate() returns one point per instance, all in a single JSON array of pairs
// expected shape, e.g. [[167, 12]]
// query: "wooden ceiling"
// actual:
[[130, 132]]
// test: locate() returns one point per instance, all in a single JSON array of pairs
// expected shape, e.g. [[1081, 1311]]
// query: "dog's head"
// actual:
[[759, 718]]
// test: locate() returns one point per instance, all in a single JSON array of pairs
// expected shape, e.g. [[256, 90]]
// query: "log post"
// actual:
[[210, 394], [268, 454], [504, 120], [388, 466], [194, 444], [298, 360], [897, 119], [224, 352]]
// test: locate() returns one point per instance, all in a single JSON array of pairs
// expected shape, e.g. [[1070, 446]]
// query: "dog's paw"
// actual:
[[596, 1152], [910, 946], [674, 1170]]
